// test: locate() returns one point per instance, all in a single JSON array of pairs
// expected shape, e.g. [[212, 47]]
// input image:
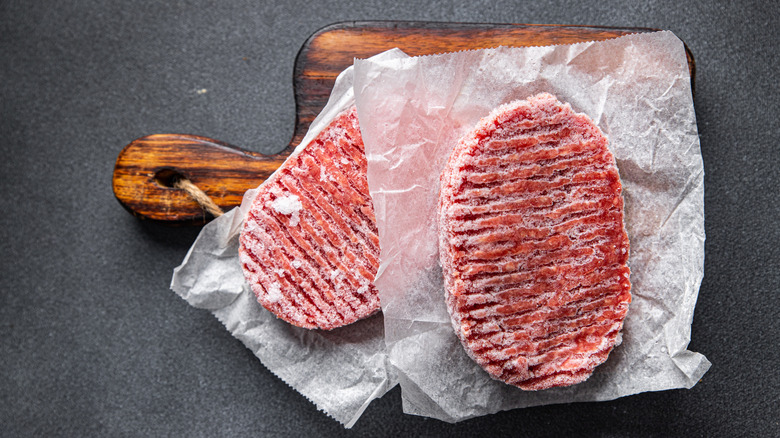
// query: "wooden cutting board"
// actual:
[[147, 168]]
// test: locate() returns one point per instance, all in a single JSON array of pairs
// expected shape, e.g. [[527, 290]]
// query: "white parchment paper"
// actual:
[[412, 112], [341, 370]]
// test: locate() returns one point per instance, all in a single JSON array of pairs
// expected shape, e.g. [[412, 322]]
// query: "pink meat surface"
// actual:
[[309, 245], [533, 246]]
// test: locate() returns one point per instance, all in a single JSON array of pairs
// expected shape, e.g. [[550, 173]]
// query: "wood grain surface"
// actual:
[[146, 168]]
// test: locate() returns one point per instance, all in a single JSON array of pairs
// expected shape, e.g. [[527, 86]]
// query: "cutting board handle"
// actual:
[[148, 168]]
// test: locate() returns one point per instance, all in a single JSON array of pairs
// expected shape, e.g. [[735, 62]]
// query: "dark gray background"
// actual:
[[92, 341]]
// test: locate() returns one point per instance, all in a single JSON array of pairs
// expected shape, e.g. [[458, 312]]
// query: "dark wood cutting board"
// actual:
[[147, 168]]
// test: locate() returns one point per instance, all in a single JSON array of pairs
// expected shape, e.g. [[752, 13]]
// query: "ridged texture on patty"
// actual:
[[309, 245], [533, 246]]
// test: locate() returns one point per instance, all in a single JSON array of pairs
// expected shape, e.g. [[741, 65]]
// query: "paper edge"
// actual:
[[588, 42]]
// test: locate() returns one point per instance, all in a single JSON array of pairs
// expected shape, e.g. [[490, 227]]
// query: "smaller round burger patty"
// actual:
[[309, 246]]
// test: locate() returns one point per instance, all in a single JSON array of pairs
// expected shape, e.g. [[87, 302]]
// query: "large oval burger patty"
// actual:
[[309, 246], [533, 246]]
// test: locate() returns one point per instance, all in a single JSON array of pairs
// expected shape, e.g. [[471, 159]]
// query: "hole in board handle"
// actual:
[[168, 177]]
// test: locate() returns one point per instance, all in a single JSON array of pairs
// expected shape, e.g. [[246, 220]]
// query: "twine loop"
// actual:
[[199, 196]]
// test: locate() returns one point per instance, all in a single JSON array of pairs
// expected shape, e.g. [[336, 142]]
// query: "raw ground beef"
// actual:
[[309, 246], [533, 246]]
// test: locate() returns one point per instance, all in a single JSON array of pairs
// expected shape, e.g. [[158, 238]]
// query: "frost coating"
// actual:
[[274, 293], [287, 204]]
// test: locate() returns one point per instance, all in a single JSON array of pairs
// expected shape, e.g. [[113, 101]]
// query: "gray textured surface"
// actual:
[[92, 342]]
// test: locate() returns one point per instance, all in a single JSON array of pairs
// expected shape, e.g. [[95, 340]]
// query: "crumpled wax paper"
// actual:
[[342, 370], [637, 89]]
